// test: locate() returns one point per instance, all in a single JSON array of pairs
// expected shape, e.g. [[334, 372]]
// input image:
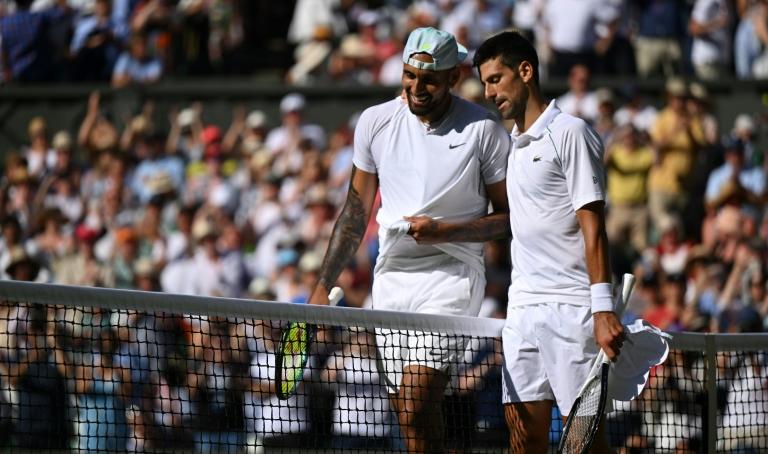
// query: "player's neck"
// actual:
[[534, 107], [433, 118]]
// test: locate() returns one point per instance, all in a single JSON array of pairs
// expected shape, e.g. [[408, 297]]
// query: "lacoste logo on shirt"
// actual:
[[536, 158], [452, 146]]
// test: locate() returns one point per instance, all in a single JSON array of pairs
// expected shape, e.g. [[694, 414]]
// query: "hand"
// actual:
[[93, 102], [609, 333], [426, 230], [319, 296]]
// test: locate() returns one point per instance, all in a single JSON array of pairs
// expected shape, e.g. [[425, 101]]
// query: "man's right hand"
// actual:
[[319, 296]]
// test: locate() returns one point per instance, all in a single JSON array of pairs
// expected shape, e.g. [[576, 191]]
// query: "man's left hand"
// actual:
[[426, 230], [609, 333]]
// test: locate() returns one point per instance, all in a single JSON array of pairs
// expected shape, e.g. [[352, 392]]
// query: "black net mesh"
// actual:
[[101, 380], [96, 379]]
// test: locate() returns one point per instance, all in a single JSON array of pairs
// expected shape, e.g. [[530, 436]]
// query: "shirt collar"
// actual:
[[540, 125]]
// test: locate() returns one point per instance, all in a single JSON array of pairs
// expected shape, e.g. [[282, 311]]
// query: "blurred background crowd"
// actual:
[[171, 200], [358, 42]]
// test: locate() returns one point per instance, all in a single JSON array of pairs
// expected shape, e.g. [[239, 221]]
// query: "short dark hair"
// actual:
[[512, 47]]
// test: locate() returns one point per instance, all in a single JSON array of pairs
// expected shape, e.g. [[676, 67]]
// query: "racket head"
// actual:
[[291, 357], [584, 420]]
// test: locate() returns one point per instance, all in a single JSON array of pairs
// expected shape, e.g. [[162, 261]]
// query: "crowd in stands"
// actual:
[[358, 42]]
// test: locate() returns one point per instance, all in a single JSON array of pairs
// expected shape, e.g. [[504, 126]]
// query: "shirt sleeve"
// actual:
[[582, 164], [362, 157], [495, 152]]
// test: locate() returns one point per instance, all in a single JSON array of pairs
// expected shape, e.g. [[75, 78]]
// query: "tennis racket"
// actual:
[[587, 411], [293, 351]]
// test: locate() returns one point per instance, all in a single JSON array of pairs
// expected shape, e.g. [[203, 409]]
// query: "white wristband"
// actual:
[[602, 297]]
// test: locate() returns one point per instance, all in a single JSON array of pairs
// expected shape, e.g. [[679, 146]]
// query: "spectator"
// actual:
[[657, 45], [102, 424], [27, 52], [136, 66], [579, 101], [635, 110], [572, 32], [744, 129], [628, 161], [82, 267], [710, 28], [39, 154], [95, 44], [735, 182], [97, 131], [286, 138], [677, 138], [185, 138], [39, 375], [750, 41], [362, 419]]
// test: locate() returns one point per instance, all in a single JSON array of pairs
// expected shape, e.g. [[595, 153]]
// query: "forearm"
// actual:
[[494, 226], [346, 237], [592, 222]]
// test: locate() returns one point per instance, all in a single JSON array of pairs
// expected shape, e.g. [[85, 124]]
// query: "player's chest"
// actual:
[[535, 166]]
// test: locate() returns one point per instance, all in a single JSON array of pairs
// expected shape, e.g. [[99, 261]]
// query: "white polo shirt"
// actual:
[[437, 170], [555, 168]]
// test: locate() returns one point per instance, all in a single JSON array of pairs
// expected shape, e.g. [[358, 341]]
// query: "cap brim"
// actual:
[[462, 54]]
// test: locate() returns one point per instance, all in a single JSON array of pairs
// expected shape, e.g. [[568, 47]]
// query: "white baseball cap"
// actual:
[[292, 102], [446, 53]]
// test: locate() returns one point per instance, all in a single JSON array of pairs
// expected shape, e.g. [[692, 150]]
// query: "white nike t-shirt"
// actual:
[[434, 170], [554, 169]]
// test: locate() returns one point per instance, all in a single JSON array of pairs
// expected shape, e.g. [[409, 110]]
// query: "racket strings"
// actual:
[[583, 424]]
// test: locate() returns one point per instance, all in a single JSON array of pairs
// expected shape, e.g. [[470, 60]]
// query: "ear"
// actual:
[[453, 76], [526, 71]]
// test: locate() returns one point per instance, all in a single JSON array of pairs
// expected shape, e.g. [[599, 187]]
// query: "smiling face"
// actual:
[[505, 87], [428, 92]]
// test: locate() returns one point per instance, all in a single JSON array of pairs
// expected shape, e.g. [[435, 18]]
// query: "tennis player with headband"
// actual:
[[560, 299], [438, 161]]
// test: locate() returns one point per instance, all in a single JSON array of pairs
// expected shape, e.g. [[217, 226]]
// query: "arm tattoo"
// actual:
[[494, 226], [346, 237]]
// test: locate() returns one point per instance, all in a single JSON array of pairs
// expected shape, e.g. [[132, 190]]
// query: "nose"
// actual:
[[489, 92]]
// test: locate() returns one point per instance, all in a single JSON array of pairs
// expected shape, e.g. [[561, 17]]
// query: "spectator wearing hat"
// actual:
[[39, 154], [158, 172], [208, 181], [312, 58], [744, 130], [628, 160], [293, 130], [21, 266], [61, 192], [83, 267], [247, 133], [185, 137], [136, 65], [677, 137], [699, 106], [64, 163], [354, 62], [604, 123], [51, 242], [316, 225], [735, 182], [19, 196]]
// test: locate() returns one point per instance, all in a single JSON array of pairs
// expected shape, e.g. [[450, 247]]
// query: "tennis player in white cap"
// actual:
[[438, 161]]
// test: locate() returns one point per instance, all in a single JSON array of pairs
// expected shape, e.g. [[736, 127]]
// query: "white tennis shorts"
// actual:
[[548, 353], [450, 287]]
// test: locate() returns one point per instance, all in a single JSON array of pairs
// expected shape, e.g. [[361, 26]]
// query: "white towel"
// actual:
[[645, 346]]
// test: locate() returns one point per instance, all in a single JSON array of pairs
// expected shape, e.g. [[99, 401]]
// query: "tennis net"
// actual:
[[105, 370]]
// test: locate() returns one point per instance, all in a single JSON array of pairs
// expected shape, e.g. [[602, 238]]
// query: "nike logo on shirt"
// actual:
[[452, 146]]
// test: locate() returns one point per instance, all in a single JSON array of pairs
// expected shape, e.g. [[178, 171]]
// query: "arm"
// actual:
[[609, 333], [493, 226], [90, 119], [348, 231]]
